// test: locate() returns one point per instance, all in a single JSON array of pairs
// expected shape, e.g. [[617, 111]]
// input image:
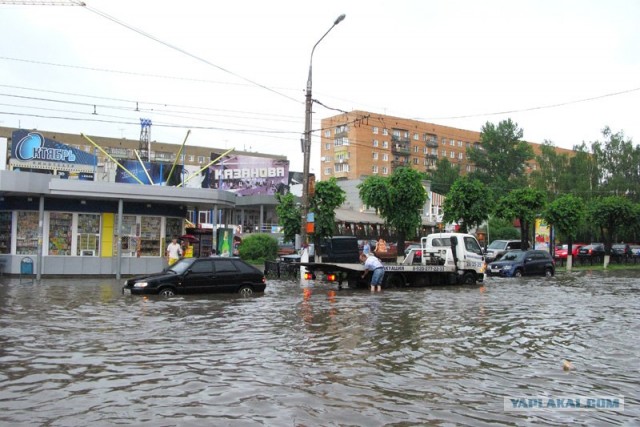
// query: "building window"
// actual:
[[385, 157], [453, 154], [385, 131], [444, 141], [375, 130], [459, 143], [327, 133], [416, 149], [327, 146], [327, 171], [342, 129], [460, 156], [452, 143], [468, 168], [385, 144], [343, 140], [434, 151], [375, 142], [201, 159], [341, 167], [375, 156], [374, 169], [416, 137], [415, 160], [444, 153], [191, 158], [385, 171]]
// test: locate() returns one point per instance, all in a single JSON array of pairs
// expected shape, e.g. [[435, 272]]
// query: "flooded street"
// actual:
[[77, 353]]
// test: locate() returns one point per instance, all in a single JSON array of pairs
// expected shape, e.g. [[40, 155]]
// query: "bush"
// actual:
[[257, 248]]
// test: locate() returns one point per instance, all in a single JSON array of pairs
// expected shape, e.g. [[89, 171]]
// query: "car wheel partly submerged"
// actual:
[[548, 272], [166, 292], [245, 291], [517, 273]]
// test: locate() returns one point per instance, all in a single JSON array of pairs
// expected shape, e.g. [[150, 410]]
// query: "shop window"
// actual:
[[88, 240], [5, 232], [27, 235], [60, 224], [173, 228], [129, 235], [150, 235]]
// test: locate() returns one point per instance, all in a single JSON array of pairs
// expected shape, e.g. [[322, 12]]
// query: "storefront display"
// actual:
[[60, 233], [27, 235], [88, 242], [150, 235]]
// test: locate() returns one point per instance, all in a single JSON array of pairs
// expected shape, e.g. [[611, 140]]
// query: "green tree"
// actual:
[[525, 204], [398, 199], [618, 162], [566, 214], [609, 214], [289, 216], [328, 196], [444, 176], [467, 202], [501, 158], [551, 175]]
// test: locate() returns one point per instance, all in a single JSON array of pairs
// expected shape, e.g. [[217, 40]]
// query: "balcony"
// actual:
[[399, 163], [432, 143], [400, 139], [402, 149]]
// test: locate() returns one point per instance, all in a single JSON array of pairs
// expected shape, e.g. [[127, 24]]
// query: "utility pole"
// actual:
[[306, 143]]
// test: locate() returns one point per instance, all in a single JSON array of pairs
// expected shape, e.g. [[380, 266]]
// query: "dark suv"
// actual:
[[200, 275], [591, 253], [497, 248], [523, 263]]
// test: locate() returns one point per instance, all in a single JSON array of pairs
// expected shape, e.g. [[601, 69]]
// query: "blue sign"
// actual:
[[32, 146]]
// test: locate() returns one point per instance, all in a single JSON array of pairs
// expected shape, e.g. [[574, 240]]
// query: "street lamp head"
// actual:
[[339, 19]]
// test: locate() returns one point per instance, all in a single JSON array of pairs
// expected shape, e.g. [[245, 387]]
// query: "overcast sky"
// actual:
[[235, 72]]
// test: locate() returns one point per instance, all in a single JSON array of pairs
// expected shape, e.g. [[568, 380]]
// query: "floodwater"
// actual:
[[78, 353]]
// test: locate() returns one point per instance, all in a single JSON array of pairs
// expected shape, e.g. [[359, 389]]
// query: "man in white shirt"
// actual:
[[373, 264], [174, 251]]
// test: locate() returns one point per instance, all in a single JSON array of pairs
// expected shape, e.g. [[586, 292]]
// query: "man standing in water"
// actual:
[[373, 264]]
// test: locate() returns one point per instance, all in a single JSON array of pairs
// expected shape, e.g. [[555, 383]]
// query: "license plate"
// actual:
[[126, 291]]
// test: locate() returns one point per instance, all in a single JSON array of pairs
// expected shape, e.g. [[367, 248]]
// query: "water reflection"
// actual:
[[77, 352]]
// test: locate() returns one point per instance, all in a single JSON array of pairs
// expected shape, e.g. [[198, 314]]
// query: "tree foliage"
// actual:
[[258, 247], [444, 176], [398, 199], [525, 204], [501, 158], [609, 214], [289, 216], [566, 214], [328, 196], [467, 202]]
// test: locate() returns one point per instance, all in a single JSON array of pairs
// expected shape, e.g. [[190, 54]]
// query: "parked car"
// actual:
[[497, 248], [635, 251], [592, 252], [523, 263], [562, 250], [200, 275], [621, 251]]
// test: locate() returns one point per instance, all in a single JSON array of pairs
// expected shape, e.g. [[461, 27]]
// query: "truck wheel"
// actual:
[[469, 279], [394, 281]]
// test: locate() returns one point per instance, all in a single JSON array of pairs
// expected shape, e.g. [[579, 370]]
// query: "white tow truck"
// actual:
[[446, 259]]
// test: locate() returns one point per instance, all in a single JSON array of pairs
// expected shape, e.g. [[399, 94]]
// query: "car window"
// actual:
[[472, 245], [512, 256], [497, 244], [225, 266], [202, 266]]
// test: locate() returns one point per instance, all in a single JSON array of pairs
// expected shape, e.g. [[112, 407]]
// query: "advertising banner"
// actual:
[[247, 175], [30, 146], [158, 172]]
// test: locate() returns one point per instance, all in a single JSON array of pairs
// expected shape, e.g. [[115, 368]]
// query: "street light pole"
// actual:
[[306, 144]]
